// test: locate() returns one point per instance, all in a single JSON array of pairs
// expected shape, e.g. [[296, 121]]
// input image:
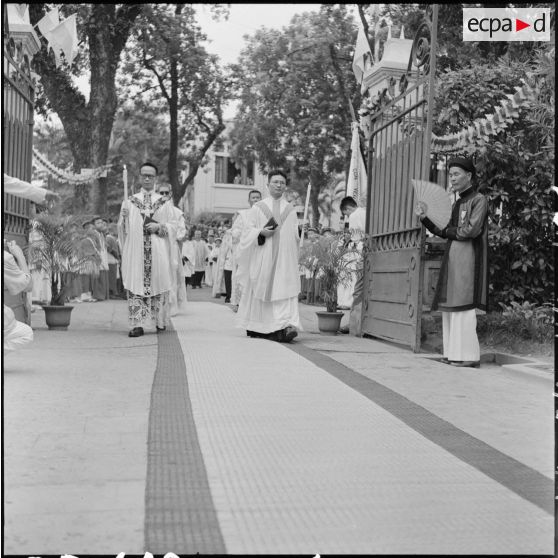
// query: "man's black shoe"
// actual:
[[161, 328], [136, 332], [256, 334], [278, 336], [289, 333]]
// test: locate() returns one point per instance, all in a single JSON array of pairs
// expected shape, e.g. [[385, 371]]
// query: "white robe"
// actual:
[[224, 255], [189, 253], [163, 259], [23, 189], [208, 278], [239, 226], [178, 297], [270, 298], [15, 334]]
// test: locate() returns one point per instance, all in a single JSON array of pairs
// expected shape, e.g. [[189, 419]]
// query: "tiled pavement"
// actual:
[[215, 443]]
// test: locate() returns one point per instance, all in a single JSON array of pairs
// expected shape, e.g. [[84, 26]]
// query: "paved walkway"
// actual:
[[204, 440]]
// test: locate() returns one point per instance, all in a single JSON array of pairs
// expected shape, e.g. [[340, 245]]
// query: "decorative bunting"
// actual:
[[43, 163], [489, 125]]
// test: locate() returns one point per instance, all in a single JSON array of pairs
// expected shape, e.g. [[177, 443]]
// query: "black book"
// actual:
[[272, 223]]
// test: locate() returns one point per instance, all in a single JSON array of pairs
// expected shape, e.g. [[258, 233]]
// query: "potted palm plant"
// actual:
[[332, 260], [55, 251]]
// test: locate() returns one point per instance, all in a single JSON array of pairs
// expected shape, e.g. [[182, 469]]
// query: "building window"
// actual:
[[225, 170], [228, 171]]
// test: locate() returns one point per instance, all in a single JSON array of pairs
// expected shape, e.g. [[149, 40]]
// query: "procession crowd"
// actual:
[[150, 255]]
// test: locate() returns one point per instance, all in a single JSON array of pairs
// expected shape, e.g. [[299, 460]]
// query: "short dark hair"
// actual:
[[274, 172], [347, 201], [150, 164], [254, 192]]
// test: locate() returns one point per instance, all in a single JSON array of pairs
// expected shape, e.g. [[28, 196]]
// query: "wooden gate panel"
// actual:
[[398, 152]]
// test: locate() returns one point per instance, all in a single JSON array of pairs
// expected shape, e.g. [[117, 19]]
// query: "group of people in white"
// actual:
[[256, 259]]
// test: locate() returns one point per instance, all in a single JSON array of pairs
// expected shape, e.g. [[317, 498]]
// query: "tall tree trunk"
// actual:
[[173, 113], [366, 27]]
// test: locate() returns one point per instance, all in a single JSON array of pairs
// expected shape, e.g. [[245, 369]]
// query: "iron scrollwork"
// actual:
[[420, 51]]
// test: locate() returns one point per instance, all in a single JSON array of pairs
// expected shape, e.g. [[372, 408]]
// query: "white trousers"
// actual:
[[459, 332]]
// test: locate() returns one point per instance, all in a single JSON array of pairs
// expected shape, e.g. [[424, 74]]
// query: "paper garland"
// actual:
[[490, 125], [63, 176]]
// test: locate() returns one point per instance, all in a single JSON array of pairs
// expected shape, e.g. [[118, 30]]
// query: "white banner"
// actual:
[[356, 181]]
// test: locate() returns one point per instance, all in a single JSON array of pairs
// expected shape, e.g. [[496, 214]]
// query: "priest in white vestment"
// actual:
[[239, 226], [146, 228], [177, 295], [268, 257]]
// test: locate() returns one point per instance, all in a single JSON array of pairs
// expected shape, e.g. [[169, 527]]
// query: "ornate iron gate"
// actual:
[[18, 104], [399, 150]]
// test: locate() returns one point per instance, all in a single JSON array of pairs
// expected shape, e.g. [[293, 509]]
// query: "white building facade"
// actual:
[[223, 184]]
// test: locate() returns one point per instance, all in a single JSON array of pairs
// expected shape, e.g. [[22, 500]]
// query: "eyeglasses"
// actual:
[[278, 182], [147, 175], [164, 193]]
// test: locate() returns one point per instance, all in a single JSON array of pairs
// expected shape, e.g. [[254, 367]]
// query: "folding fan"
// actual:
[[436, 199]]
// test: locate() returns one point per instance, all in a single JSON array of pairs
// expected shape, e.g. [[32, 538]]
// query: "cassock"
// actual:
[[201, 253], [148, 263], [209, 265], [238, 228], [270, 296]]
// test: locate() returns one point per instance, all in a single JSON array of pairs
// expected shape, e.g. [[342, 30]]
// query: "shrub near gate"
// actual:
[[517, 322], [515, 170]]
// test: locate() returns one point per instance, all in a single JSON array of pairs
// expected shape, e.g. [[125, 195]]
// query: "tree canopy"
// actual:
[[168, 69], [296, 85]]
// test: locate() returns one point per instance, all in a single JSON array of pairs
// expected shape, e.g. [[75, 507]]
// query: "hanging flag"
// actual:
[[22, 11], [362, 58], [356, 181], [48, 22], [64, 37]]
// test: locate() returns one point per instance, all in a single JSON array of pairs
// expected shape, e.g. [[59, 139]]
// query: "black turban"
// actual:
[[463, 163]]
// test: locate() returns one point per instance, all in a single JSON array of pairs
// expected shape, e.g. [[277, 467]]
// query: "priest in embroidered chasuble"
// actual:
[[146, 228], [268, 260]]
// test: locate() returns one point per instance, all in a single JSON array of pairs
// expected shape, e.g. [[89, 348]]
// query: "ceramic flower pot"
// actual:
[[329, 322], [58, 317]]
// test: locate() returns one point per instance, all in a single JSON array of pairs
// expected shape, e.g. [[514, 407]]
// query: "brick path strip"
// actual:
[[179, 511], [514, 475]]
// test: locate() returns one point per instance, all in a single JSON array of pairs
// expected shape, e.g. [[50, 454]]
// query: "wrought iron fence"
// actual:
[[17, 156]]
